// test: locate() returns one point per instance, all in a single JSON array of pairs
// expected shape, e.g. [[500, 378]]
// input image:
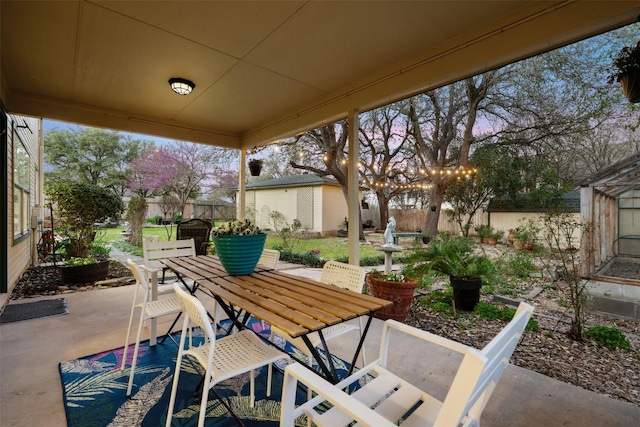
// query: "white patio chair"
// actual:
[[167, 305], [346, 276], [386, 399], [154, 250], [221, 358], [269, 258]]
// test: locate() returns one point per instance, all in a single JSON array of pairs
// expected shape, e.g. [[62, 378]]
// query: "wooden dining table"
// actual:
[[294, 304]]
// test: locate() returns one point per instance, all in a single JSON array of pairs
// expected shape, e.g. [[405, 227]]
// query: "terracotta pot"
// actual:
[[510, 237], [401, 293], [492, 241], [466, 292], [517, 243]]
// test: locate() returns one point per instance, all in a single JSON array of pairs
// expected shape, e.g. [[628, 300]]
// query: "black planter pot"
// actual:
[[85, 273], [466, 292], [255, 168]]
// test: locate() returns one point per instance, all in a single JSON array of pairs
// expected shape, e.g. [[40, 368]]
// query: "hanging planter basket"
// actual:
[[631, 86], [239, 254], [255, 167]]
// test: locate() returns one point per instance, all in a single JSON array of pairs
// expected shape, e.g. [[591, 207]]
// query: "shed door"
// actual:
[[629, 223]]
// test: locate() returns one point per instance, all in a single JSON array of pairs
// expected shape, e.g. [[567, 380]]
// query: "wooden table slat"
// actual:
[[319, 311], [272, 305], [243, 301], [188, 268], [367, 301], [307, 299]]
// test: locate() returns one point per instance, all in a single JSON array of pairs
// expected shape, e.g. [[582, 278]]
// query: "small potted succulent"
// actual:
[[626, 70]]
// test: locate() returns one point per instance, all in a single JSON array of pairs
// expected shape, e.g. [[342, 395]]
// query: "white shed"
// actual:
[[317, 202]]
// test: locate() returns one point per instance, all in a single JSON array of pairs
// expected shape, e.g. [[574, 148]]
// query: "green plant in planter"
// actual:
[[528, 233], [451, 256], [498, 234], [79, 206], [455, 257], [393, 276], [393, 286], [74, 262], [484, 231]]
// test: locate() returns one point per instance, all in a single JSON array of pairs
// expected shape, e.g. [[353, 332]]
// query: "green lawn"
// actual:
[[330, 247]]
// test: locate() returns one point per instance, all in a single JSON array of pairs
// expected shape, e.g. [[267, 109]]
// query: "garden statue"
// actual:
[[388, 233]]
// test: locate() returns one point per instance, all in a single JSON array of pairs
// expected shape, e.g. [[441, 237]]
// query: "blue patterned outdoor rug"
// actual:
[[94, 390]]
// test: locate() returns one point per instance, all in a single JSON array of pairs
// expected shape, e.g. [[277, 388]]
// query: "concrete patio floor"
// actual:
[[31, 392]]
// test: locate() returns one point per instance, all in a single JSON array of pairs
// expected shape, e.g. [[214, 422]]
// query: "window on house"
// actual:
[[21, 180]]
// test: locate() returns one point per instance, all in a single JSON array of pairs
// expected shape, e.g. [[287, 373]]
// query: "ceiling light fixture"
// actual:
[[181, 86]]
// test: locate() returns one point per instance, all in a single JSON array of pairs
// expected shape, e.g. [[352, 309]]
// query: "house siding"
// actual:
[[320, 207], [20, 252], [334, 209]]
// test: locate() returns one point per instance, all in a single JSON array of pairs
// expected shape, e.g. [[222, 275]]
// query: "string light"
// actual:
[[459, 173]]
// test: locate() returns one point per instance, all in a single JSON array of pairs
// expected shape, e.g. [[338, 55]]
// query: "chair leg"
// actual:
[[134, 360], [205, 398], [174, 387], [252, 388], [126, 341]]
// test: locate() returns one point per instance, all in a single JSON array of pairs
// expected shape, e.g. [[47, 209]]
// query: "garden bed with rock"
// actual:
[[47, 280]]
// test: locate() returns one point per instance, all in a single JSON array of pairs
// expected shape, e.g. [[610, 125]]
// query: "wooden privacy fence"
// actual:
[[413, 219], [203, 209]]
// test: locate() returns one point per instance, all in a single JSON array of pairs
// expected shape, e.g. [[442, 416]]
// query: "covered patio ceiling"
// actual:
[[263, 70]]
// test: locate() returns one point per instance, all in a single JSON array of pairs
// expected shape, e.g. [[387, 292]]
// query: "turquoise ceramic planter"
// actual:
[[239, 254]]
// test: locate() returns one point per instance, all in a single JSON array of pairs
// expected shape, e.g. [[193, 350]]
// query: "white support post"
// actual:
[[242, 185], [588, 236], [353, 180]]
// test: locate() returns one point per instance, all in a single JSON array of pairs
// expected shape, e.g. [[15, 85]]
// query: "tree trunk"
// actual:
[[383, 203], [361, 228], [430, 228]]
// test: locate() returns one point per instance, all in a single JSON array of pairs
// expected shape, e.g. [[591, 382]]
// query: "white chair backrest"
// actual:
[[195, 312], [480, 371], [153, 251], [387, 398], [269, 258], [346, 276], [141, 277]]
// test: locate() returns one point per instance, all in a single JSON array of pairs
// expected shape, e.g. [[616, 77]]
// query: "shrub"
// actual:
[[157, 219], [488, 311], [606, 336], [520, 264], [79, 206]]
